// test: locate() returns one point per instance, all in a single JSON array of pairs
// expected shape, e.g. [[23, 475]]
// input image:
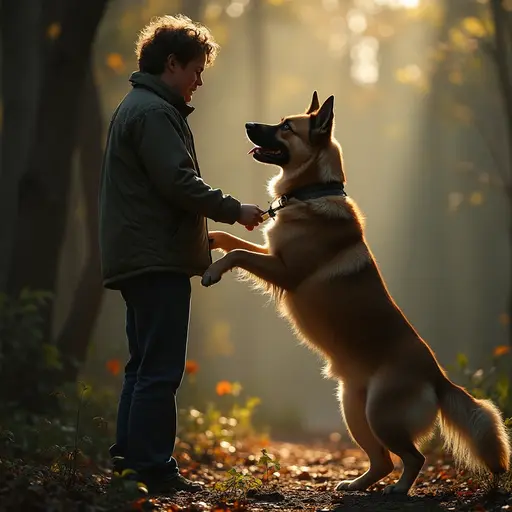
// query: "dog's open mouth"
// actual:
[[265, 151], [274, 156], [267, 148]]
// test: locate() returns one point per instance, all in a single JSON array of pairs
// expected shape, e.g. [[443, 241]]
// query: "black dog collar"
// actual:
[[304, 193]]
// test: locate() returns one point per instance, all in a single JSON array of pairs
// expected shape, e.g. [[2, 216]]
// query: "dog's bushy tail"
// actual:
[[473, 430]]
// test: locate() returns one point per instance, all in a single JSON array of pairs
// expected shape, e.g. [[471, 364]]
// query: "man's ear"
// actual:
[[315, 105], [172, 62], [322, 121]]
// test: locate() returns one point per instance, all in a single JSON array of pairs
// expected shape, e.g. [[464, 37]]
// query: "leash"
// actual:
[[271, 212], [303, 194]]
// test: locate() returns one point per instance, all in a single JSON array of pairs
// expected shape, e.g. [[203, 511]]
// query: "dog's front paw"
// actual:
[[209, 279], [212, 275]]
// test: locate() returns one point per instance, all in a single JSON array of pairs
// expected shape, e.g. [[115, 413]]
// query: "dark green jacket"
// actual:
[[153, 203]]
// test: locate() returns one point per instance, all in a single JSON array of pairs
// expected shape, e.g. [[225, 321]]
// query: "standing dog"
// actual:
[[319, 269]]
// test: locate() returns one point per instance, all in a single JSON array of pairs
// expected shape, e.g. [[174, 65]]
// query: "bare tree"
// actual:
[[20, 82], [73, 339], [44, 188], [501, 53]]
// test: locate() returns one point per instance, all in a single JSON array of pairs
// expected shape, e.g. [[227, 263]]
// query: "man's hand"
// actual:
[[250, 216]]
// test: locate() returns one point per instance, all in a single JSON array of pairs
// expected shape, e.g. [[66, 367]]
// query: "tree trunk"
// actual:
[[255, 29], [257, 49], [503, 61], [44, 189], [19, 97], [75, 335]]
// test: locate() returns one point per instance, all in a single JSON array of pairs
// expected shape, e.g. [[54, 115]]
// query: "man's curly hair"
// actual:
[[178, 35]]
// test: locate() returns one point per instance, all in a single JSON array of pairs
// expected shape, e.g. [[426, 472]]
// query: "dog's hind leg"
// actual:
[[398, 414], [353, 404]]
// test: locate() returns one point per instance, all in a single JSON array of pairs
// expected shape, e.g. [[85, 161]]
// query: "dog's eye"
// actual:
[[285, 126]]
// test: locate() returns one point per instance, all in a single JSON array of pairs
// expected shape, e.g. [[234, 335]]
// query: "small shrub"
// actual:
[[29, 365], [492, 382]]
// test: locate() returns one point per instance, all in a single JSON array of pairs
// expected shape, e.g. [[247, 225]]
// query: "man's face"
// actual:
[[186, 79]]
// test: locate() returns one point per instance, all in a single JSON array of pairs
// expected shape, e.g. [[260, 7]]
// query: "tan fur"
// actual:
[[317, 266], [471, 430]]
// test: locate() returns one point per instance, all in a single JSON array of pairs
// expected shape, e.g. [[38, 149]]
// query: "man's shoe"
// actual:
[[156, 483], [118, 464], [170, 484]]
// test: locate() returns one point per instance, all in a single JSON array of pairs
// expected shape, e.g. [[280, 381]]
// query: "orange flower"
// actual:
[[191, 367], [113, 366], [501, 350], [224, 387]]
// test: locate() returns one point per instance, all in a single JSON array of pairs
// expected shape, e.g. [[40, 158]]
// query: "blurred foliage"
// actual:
[[29, 365], [83, 428], [492, 382], [78, 437], [215, 430], [72, 439]]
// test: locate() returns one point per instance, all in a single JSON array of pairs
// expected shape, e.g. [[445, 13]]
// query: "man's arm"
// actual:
[[171, 169]]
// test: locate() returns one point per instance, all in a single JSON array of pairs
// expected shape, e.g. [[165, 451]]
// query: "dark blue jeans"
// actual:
[[157, 320]]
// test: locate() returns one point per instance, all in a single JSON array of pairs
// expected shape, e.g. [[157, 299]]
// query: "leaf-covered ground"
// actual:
[[305, 482]]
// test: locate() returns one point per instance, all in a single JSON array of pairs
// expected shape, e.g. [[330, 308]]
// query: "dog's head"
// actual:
[[302, 145]]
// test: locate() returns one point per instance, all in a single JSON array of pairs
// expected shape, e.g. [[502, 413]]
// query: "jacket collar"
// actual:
[[159, 87]]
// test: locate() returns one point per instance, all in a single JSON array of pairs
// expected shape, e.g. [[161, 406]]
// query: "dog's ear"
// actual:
[[315, 105], [322, 121]]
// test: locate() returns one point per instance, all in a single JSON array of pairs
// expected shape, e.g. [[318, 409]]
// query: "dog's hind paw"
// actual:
[[350, 485], [395, 489]]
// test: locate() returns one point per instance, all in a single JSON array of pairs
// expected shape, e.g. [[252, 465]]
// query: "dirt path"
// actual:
[[305, 482], [309, 475]]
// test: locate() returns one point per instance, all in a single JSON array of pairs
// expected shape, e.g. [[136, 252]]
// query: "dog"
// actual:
[[319, 269]]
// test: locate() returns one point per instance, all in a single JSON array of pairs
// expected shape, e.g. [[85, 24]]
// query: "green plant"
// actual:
[[70, 466], [238, 483], [74, 439], [24, 355], [214, 433], [270, 465], [492, 382]]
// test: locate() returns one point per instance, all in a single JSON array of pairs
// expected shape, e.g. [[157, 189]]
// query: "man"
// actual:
[[154, 238]]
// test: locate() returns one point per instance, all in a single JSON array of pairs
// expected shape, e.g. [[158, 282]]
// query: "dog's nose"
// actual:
[[250, 126]]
